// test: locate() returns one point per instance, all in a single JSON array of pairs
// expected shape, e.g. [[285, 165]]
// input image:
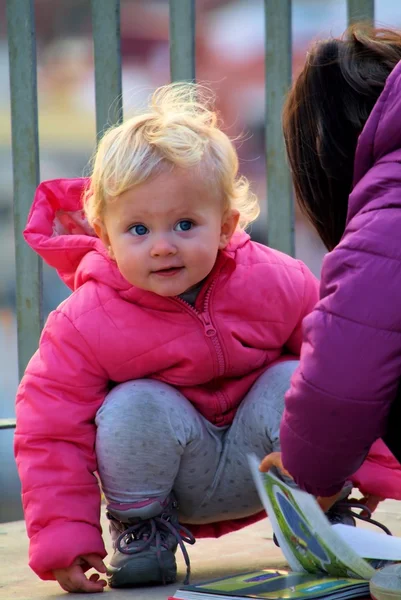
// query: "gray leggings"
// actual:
[[151, 440]]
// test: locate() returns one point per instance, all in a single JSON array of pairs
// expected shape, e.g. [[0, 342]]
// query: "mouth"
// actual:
[[168, 272]]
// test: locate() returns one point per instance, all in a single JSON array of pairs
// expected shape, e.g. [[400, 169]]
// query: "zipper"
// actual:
[[206, 320], [211, 333]]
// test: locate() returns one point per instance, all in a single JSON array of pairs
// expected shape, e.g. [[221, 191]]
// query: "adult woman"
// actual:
[[342, 127]]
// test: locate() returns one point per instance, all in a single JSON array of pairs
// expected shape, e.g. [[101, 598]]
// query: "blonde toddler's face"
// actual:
[[164, 234]]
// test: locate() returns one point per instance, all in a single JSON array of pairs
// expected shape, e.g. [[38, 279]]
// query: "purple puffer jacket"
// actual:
[[351, 355]]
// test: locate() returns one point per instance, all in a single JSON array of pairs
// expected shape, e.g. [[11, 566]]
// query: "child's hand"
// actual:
[[274, 460], [73, 578]]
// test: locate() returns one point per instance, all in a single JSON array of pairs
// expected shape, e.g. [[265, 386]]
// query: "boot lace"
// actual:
[[154, 532], [349, 507]]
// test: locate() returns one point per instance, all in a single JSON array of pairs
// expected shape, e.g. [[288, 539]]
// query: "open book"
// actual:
[[310, 543]]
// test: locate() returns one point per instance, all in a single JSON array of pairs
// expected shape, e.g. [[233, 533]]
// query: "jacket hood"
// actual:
[[379, 142], [58, 231]]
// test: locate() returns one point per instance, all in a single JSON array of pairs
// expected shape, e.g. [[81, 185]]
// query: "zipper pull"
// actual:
[[209, 329]]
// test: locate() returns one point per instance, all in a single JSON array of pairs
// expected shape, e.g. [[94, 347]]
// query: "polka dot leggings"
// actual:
[[151, 440]]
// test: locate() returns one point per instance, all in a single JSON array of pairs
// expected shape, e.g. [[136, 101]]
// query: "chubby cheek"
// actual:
[[203, 260], [130, 268], [208, 248]]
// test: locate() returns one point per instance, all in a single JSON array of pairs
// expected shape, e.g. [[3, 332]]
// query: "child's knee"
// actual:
[[263, 408], [271, 387], [278, 376], [141, 400]]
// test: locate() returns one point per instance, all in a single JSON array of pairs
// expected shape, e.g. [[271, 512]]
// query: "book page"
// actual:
[[370, 544], [306, 538]]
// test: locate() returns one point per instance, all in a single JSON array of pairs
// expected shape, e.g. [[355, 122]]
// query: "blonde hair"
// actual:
[[178, 128]]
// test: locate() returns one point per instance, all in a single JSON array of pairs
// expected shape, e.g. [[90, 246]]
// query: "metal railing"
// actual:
[[106, 38]]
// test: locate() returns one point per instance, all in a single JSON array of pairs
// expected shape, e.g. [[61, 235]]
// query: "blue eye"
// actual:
[[184, 225], [139, 230]]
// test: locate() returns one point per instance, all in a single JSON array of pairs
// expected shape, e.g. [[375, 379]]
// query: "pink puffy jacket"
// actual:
[[248, 315]]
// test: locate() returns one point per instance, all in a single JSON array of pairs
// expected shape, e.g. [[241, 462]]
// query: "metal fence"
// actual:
[[106, 39]]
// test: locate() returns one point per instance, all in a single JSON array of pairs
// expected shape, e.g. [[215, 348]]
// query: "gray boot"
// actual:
[[145, 537]]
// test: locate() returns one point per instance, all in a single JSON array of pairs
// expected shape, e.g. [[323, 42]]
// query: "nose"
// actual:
[[163, 246]]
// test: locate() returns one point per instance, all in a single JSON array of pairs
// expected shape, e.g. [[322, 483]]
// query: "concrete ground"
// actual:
[[246, 550]]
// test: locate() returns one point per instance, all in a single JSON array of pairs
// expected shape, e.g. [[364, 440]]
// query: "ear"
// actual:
[[101, 232], [228, 226]]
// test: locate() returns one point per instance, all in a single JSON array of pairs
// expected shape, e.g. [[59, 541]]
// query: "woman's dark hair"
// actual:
[[324, 113]]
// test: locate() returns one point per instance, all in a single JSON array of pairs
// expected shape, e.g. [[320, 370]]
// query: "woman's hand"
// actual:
[[73, 579], [274, 460], [370, 501]]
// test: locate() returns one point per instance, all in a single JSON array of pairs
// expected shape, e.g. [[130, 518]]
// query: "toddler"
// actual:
[[169, 361]]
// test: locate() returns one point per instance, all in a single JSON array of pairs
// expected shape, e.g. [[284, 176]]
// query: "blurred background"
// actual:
[[230, 59]]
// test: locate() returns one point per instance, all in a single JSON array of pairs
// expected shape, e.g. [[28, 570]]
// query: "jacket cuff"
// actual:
[[306, 466], [59, 544]]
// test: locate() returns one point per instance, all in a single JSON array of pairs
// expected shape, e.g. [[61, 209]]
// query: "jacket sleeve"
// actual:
[[350, 364], [310, 296], [57, 401]]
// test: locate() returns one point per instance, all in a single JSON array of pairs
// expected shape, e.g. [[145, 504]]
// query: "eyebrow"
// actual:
[[184, 212]]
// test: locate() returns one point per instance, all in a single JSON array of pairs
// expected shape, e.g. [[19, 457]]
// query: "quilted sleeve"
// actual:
[[350, 364], [310, 296], [57, 401]]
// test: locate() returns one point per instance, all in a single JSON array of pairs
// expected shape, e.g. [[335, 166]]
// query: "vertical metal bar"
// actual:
[[278, 63], [182, 40], [25, 152], [360, 10], [107, 50]]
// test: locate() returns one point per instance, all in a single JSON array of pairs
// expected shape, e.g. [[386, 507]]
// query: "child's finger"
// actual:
[[75, 581], [79, 583], [94, 560], [95, 577]]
